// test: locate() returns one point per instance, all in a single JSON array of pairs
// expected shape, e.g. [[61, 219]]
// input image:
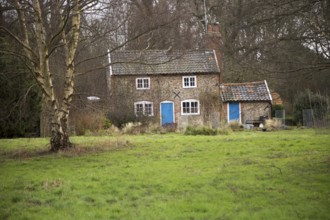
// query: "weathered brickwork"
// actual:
[[253, 97], [255, 110], [169, 87], [250, 110]]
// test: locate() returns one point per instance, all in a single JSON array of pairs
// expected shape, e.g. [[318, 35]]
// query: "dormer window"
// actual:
[[143, 83], [189, 82]]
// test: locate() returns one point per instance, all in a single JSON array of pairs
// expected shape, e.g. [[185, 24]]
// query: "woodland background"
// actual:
[[286, 42]]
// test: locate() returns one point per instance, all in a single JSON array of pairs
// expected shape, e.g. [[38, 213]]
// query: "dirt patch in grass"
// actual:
[[76, 150], [23, 153], [327, 161]]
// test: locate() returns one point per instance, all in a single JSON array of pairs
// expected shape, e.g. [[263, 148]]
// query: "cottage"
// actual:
[[167, 87], [246, 103]]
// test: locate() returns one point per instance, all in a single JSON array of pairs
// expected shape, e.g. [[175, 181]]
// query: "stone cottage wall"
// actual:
[[250, 110], [253, 110], [169, 88]]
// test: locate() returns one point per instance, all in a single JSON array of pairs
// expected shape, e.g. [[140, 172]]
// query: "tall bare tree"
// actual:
[[176, 27], [44, 28], [283, 41]]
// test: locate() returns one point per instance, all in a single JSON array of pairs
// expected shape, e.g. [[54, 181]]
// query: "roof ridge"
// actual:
[[163, 61], [245, 83], [248, 91]]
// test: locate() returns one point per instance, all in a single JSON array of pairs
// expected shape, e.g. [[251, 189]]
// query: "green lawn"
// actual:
[[243, 175]]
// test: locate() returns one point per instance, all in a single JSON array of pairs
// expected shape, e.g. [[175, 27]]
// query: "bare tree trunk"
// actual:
[[60, 114], [38, 50], [60, 137]]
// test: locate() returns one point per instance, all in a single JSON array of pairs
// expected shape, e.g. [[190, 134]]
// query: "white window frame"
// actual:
[[190, 101], [144, 103], [189, 81], [142, 83]]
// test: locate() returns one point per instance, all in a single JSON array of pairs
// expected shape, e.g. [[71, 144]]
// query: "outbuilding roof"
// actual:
[[146, 62], [242, 92]]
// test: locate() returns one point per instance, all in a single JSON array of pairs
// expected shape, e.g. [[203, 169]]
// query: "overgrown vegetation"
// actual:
[[275, 108], [19, 96], [202, 130], [308, 100], [243, 175], [119, 118], [89, 121]]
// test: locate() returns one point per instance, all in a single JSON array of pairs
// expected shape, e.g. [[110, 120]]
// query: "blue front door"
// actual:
[[166, 111], [234, 112]]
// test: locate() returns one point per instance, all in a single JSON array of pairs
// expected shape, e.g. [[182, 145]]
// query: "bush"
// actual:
[[206, 131], [310, 100], [169, 127], [276, 107], [88, 123], [224, 131], [200, 131], [273, 124], [134, 128], [235, 126], [120, 118]]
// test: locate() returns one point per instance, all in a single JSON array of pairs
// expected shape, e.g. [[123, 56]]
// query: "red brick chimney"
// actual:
[[213, 42]]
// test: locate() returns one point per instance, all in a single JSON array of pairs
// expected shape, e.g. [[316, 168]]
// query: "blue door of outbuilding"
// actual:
[[234, 111], [167, 112]]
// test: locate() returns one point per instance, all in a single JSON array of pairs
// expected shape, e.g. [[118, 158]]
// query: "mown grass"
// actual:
[[243, 175]]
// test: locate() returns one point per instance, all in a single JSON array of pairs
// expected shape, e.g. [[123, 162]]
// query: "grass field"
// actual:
[[243, 175]]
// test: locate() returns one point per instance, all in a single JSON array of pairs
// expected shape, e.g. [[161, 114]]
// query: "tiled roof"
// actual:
[[251, 91], [133, 62], [277, 100]]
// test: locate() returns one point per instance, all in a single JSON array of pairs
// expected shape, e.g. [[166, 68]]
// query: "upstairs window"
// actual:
[[190, 107], [143, 108], [189, 82], [143, 83]]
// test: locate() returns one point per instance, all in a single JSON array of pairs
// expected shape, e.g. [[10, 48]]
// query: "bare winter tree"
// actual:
[[285, 41], [132, 24], [177, 28], [61, 40], [44, 28]]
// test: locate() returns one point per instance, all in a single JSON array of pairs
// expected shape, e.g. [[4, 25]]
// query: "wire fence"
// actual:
[[312, 118], [280, 116]]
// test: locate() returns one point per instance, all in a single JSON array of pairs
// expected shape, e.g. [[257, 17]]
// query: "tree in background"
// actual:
[[130, 24], [65, 42], [19, 95], [307, 100], [176, 27], [284, 41]]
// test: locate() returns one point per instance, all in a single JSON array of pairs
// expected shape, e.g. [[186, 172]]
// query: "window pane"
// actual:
[[139, 109], [148, 109], [143, 83], [192, 81], [189, 81], [190, 107], [146, 83], [139, 83], [194, 107], [185, 106], [186, 82]]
